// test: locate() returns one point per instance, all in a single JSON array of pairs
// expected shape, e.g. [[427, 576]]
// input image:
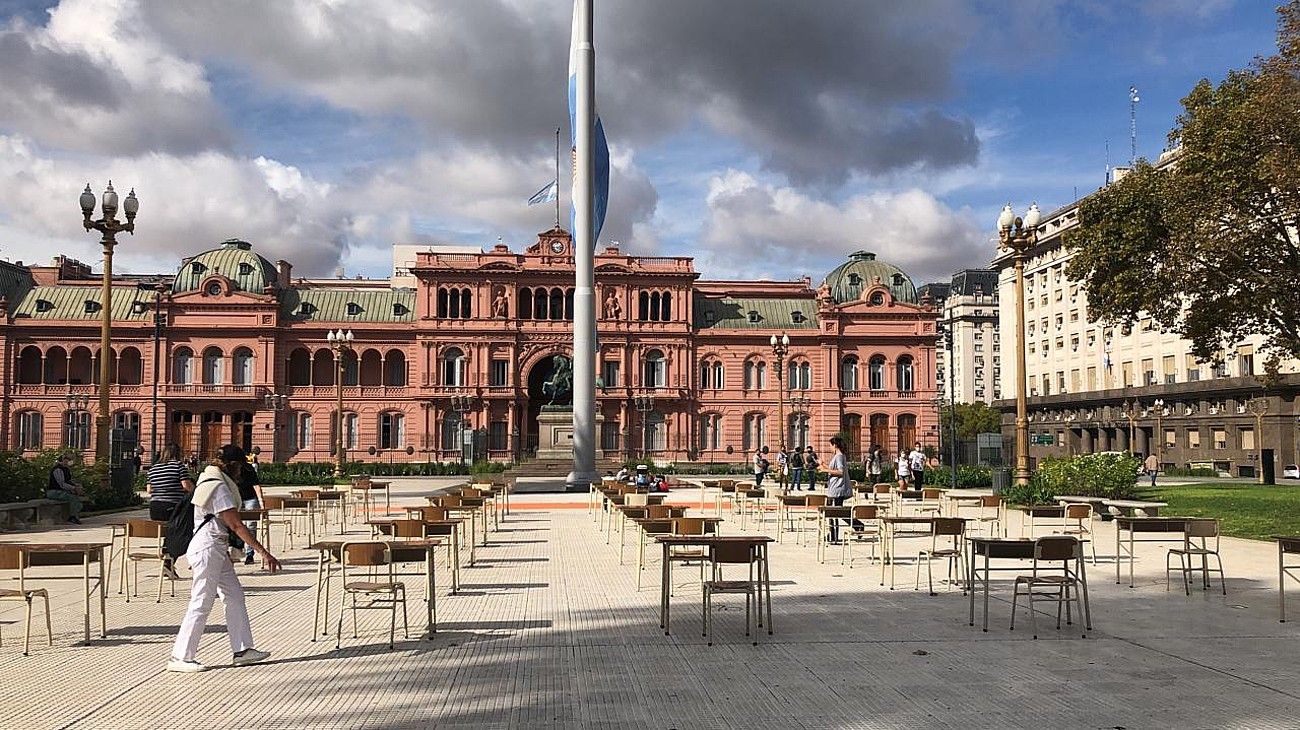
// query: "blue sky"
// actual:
[[765, 138]]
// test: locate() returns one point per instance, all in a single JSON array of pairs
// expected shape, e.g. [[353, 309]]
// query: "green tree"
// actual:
[[1208, 246], [972, 419]]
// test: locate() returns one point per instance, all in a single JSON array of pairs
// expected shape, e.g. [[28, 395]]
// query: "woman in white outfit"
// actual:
[[216, 515]]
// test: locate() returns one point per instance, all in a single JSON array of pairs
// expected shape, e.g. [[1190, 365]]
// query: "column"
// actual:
[[1103, 439], [1087, 441]]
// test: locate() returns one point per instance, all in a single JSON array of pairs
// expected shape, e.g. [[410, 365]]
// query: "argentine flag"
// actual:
[[546, 194], [600, 184]]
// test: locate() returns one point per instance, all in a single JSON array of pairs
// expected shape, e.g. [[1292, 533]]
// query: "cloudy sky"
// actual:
[[767, 138]]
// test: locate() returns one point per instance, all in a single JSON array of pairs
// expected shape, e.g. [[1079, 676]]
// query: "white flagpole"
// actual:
[[584, 254]]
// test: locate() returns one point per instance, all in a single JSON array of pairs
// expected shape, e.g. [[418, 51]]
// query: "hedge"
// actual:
[[322, 472], [24, 478]]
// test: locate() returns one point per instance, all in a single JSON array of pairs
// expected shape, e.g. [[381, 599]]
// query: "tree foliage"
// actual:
[[972, 419], [1208, 246]]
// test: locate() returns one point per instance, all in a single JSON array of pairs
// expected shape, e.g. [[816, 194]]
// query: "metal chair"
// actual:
[[1049, 587], [1081, 517], [732, 553], [944, 527], [150, 549], [865, 528], [992, 514], [1203, 529], [10, 558], [382, 594]]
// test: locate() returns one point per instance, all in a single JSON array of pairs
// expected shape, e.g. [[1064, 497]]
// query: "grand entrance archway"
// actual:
[[540, 374]]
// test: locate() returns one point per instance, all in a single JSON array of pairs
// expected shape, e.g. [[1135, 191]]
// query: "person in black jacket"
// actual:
[[61, 487]]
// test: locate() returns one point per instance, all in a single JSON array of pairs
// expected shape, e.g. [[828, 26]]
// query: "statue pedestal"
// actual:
[[555, 433]]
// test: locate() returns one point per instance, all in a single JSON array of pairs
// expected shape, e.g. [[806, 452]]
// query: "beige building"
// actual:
[[1081, 375], [969, 305]]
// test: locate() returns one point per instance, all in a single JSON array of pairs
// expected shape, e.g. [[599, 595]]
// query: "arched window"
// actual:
[[395, 368], [130, 367], [351, 368], [466, 310], [302, 430], [797, 430], [557, 304], [568, 304], [710, 432], [755, 435], [76, 430], [643, 307], [453, 367], [849, 373], [906, 375], [29, 365], [372, 367], [525, 303], [655, 373], [182, 366], [755, 375], [322, 367], [540, 298], [711, 375], [876, 372], [299, 371], [81, 367], [56, 366], [800, 375], [656, 432], [880, 430], [654, 306], [906, 432], [666, 307], [443, 303], [31, 427], [451, 433], [392, 430], [213, 366], [241, 366]]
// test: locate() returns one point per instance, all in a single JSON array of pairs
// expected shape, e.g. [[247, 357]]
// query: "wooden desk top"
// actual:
[[414, 542], [1141, 523], [1039, 509], [58, 547], [707, 539], [917, 519]]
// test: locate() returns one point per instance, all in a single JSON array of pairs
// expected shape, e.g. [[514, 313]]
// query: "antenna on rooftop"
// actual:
[[1107, 162], [1133, 100]]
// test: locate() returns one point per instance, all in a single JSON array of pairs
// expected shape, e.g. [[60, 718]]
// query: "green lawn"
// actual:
[[1244, 510]]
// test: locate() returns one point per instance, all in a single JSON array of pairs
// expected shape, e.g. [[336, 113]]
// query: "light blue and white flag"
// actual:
[[546, 194], [601, 183]]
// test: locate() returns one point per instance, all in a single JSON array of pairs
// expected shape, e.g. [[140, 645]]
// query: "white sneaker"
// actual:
[[251, 656], [185, 666]]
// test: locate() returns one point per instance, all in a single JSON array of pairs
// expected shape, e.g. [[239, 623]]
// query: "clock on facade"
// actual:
[[557, 246]]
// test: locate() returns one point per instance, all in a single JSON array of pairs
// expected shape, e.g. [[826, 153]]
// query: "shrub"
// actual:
[[1199, 471], [19, 478], [1113, 476], [1037, 491], [23, 478], [969, 476], [322, 472]]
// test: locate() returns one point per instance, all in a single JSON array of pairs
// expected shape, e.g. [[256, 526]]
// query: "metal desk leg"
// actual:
[[988, 572], [971, 574], [431, 596], [1118, 559], [1132, 556], [1083, 583], [315, 618], [85, 566], [665, 580], [103, 618], [1281, 584]]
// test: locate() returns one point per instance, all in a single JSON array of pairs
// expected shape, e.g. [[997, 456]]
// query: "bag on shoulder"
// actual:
[[180, 528]]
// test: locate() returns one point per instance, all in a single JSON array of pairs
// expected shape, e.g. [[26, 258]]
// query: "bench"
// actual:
[[1133, 507], [32, 513], [1096, 502]]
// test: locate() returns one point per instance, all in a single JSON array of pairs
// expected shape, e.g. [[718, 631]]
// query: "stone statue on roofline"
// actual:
[[613, 308], [500, 305]]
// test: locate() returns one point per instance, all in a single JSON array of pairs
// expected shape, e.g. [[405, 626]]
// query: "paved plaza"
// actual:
[[549, 630]]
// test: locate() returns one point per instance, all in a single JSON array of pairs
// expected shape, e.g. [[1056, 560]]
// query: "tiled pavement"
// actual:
[[550, 631]]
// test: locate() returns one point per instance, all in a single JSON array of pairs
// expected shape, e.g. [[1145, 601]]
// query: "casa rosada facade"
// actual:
[[232, 348]]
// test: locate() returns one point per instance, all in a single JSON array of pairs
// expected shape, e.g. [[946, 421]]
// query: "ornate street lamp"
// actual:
[[462, 405], [341, 343], [109, 226], [1018, 236], [1159, 407], [644, 405], [1258, 406], [780, 347], [1130, 410], [78, 403]]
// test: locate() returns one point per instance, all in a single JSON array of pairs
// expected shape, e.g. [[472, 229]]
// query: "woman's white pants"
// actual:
[[214, 576]]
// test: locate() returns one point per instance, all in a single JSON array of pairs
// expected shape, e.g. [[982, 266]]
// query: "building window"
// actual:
[[242, 362], [392, 430], [1246, 361], [710, 432], [354, 309], [1126, 373], [800, 376], [302, 431], [453, 368], [451, 438], [1247, 438], [1171, 438], [655, 374], [183, 366], [30, 426], [1220, 437], [455, 303], [656, 432], [1168, 369], [610, 374], [876, 372], [797, 430], [498, 436], [755, 375], [76, 430], [1148, 371], [755, 435], [610, 435], [906, 374], [212, 366], [712, 375], [351, 434], [498, 373], [849, 373]]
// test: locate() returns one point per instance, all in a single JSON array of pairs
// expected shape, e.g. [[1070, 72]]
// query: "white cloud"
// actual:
[[759, 229]]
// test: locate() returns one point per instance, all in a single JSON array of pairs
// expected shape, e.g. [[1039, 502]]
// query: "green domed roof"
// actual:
[[860, 272], [233, 259]]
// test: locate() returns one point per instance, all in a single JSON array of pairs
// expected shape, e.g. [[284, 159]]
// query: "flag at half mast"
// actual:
[[546, 194], [600, 184]]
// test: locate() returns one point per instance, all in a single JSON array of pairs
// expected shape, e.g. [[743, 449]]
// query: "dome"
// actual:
[[849, 279], [233, 259]]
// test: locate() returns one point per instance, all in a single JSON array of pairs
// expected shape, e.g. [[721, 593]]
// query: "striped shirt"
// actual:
[[165, 481]]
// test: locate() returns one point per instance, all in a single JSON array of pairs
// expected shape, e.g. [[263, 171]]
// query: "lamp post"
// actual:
[[1258, 406], [949, 334], [276, 403], [1129, 410], [800, 404], [159, 322], [780, 347], [341, 343], [1019, 235], [1159, 406], [644, 404], [461, 404], [109, 226]]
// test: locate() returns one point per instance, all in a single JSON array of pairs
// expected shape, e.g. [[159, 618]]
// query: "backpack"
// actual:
[[180, 528]]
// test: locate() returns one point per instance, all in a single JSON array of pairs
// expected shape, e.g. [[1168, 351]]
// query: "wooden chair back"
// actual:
[[930, 493], [947, 527], [365, 554], [689, 526], [433, 513], [732, 553], [449, 500], [990, 500], [1078, 511], [408, 528], [1201, 527], [841, 513], [1055, 547], [636, 500], [145, 528], [9, 557], [816, 500], [658, 511], [866, 512], [307, 493]]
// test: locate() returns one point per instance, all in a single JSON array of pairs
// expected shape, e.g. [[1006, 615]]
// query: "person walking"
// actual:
[[796, 469], [810, 466], [782, 470], [903, 469], [250, 496], [62, 488], [916, 460], [873, 464], [1152, 466], [168, 481], [216, 515], [837, 482], [761, 466]]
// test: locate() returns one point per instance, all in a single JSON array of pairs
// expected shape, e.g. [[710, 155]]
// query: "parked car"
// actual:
[[1291, 471]]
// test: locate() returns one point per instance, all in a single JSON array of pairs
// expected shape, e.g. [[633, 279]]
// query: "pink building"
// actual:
[[237, 349]]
